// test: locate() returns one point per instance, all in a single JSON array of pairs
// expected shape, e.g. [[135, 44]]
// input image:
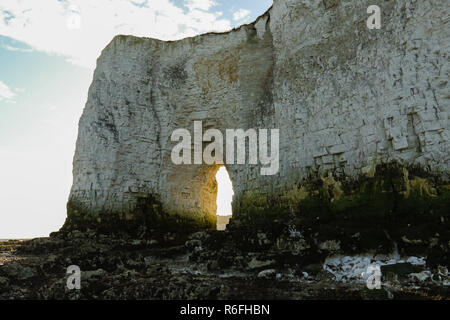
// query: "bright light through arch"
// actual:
[[224, 192]]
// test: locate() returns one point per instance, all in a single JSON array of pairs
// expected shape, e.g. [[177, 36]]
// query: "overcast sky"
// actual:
[[48, 50]]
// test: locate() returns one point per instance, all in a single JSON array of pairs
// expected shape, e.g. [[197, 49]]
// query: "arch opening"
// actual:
[[224, 198]]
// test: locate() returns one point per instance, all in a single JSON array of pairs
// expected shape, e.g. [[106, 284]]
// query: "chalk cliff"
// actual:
[[358, 110]]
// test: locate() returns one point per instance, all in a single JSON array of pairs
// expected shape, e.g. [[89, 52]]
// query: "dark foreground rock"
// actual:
[[282, 263]]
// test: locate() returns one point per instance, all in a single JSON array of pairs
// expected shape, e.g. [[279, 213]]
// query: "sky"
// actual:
[[48, 51]]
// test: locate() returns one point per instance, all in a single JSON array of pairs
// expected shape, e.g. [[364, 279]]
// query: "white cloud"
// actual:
[[200, 4], [241, 14], [11, 48], [5, 92], [56, 28]]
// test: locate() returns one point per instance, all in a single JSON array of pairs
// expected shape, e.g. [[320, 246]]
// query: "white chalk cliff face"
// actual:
[[344, 97]]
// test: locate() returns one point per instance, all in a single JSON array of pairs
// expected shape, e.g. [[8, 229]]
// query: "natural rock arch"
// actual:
[[193, 190], [348, 102]]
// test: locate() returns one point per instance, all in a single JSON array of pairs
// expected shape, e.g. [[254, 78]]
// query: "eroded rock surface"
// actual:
[[346, 100], [273, 263]]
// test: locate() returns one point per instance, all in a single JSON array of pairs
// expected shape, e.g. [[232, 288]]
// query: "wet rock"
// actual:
[[137, 242], [376, 294], [412, 241], [51, 259], [53, 263], [4, 284], [332, 246], [169, 237], [257, 264], [441, 275], [129, 269], [17, 271], [213, 265], [76, 234], [262, 239], [313, 269], [292, 246], [421, 276], [192, 244], [239, 262], [93, 275], [324, 275], [269, 273], [202, 235], [443, 271], [401, 269]]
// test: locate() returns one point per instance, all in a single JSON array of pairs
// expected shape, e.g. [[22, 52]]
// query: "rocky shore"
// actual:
[[284, 262]]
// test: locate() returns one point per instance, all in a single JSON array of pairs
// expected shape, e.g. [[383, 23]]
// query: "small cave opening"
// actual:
[[224, 198]]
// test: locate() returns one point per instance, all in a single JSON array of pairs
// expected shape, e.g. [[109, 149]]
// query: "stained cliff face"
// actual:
[[351, 104]]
